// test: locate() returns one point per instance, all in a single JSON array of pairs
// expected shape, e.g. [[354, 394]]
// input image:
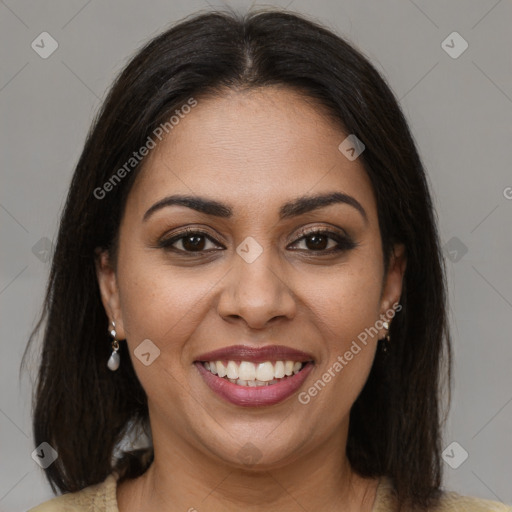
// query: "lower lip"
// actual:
[[246, 396]]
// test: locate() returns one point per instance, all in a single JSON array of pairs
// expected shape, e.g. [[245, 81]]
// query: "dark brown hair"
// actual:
[[83, 410]]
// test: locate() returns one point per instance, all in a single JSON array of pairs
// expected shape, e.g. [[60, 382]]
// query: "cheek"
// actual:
[[162, 303], [345, 308], [347, 300]]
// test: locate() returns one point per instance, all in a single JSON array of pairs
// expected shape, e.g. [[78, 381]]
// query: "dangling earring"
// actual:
[[387, 338], [114, 360]]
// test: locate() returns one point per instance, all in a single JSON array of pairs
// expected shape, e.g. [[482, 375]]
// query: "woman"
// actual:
[[247, 271]]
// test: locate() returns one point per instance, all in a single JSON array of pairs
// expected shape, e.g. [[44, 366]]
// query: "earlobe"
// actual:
[[109, 290]]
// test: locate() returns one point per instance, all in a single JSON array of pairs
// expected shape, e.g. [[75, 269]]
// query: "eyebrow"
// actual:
[[298, 206]]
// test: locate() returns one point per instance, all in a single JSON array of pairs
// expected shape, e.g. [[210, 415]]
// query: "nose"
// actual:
[[256, 293]]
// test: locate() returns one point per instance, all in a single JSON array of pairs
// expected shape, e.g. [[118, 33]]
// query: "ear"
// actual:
[[392, 286], [107, 280]]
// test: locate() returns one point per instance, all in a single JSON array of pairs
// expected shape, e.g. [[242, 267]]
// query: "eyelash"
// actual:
[[344, 243]]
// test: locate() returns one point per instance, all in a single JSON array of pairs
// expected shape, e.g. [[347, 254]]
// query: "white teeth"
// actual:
[[279, 370], [221, 369], [265, 371], [232, 370], [247, 373]]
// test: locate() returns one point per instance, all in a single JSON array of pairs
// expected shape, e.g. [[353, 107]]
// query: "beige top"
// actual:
[[102, 498]]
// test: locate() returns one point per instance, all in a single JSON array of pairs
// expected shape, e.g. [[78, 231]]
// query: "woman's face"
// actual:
[[250, 276]]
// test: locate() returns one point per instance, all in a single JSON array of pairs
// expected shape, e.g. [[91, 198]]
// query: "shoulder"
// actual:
[[454, 502], [449, 501], [99, 497]]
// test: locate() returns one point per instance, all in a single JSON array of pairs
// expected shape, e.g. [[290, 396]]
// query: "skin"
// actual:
[[253, 150]]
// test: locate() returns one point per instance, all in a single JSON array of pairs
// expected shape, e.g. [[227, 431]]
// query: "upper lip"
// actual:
[[256, 354]]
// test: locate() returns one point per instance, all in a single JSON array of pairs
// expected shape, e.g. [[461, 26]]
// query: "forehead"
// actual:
[[255, 149]]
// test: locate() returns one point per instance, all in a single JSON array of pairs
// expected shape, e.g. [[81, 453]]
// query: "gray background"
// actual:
[[460, 111]]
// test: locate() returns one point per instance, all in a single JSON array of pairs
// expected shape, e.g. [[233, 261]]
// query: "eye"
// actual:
[[324, 241], [320, 240], [189, 241]]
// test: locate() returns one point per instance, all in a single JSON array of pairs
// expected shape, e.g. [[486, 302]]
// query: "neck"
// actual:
[[320, 480]]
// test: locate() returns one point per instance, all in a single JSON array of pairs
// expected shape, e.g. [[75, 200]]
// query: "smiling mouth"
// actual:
[[249, 374]]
